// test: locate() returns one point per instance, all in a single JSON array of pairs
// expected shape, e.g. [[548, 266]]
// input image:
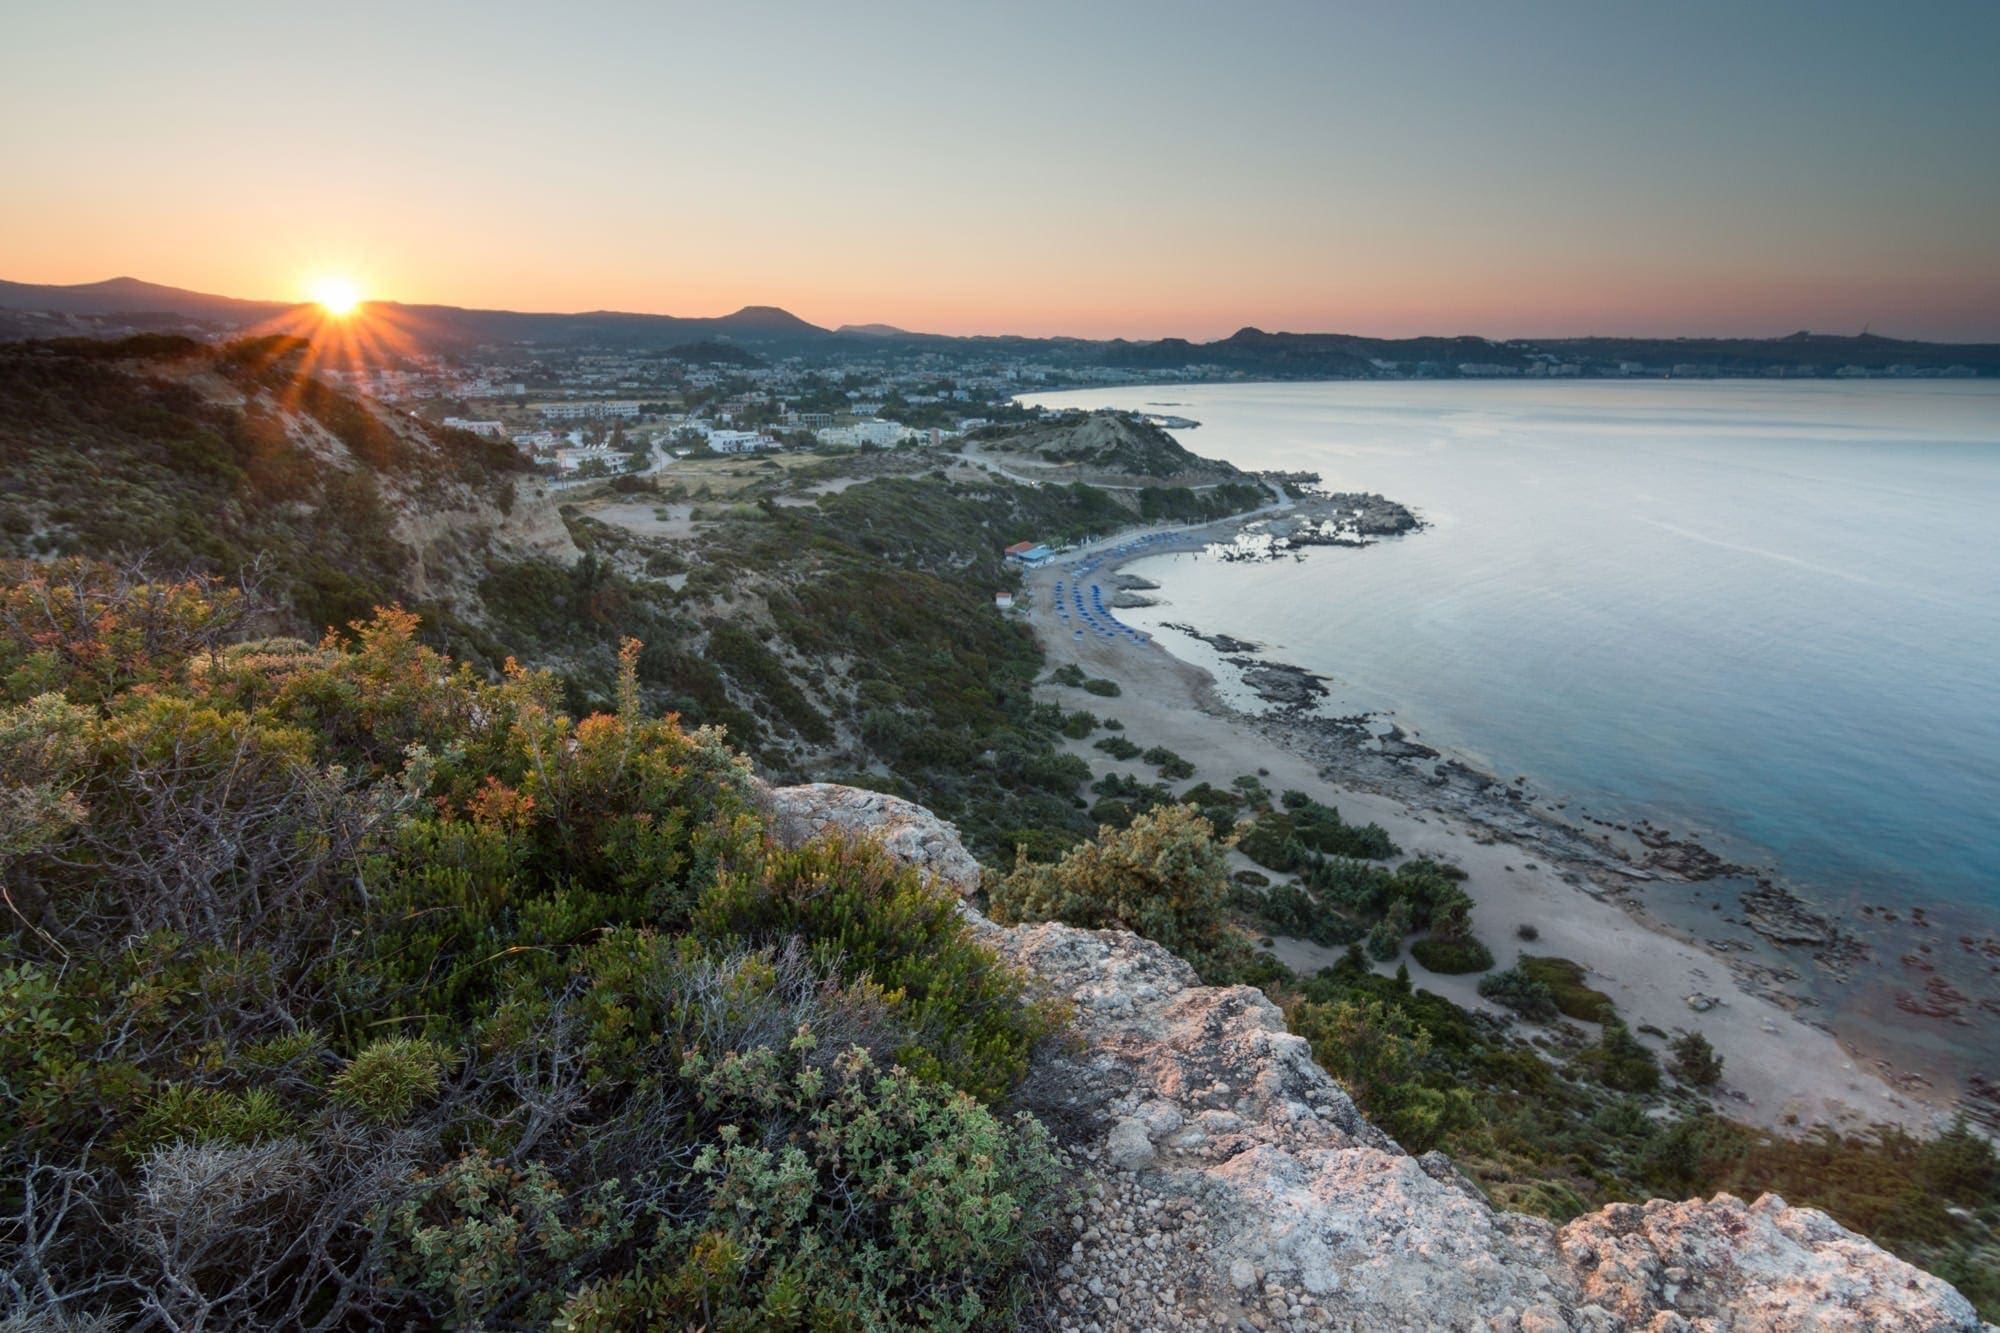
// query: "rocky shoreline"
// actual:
[[1611, 860]]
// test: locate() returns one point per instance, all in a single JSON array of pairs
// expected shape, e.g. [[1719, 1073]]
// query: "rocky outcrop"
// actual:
[[1228, 1182], [913, 834]]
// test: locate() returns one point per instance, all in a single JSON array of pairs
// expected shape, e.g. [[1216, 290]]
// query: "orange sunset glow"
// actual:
[[337, 296], [1163, 172]]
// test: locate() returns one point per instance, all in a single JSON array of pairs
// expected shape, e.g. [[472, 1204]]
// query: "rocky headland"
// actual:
[[1224, 1181]]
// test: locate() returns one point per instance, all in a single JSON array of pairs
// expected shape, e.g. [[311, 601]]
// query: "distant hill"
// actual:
[[122, 306], [711, 351], [131, 296], [236, 461], [1108, 445], [118, 301]]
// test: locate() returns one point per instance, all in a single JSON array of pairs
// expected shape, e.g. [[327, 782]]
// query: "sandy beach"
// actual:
[[1781, 1072]]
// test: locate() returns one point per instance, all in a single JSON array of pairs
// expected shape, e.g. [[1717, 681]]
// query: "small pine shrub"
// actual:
[[1516, 990], [1165, 877], [1118, 748], [1078, 725], [388, 1078], [1694, 1061], [1452, 957], [1565, 982], [1621, 1061]]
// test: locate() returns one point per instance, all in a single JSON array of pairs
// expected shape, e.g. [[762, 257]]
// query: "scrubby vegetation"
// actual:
[[1181, 504], [117, 451], [342, 983], [1164, 876], [1556, 1126], [344, 986], [1336, 901], [1302, 830]]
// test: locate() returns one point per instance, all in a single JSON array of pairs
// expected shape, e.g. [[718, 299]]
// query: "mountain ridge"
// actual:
[[1248, 351]]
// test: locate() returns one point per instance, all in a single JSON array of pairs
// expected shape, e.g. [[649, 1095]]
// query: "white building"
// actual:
[[570, 460], [881, 434], [587, 410], [739, 441]]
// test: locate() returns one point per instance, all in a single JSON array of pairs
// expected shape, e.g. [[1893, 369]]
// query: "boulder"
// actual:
[[911, 833]]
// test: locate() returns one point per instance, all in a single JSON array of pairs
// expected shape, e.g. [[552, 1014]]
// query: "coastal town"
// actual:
[[598, 413]]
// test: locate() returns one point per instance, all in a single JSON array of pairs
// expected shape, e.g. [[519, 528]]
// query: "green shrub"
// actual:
[[1515, 989], [1292, 840], [1105, 689], [1565, 981], [870, 916], [1383, 1058], [1171, 766], [1385, 942], [1695, 1062], [1166, 877], [1118, 748], [1078, 725], [895, 1203], [478, 1233], [1620, 1060], [1452, 957], [389, 1077]]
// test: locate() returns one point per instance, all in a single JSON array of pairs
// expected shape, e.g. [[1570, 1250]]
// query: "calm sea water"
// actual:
[[1764, 611]]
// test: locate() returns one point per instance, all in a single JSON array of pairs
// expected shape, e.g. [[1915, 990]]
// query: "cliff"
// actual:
[[1226, 1181]]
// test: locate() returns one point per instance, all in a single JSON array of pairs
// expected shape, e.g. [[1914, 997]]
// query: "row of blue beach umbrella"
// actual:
[[1089, 607]]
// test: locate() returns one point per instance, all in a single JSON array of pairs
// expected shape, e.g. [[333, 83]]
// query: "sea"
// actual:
[[1764, 612]]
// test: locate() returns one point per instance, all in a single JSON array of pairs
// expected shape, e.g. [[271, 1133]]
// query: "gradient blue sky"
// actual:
[[1107, 168]]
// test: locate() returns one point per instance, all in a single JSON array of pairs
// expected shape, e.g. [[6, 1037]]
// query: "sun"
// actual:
[[336, 296]]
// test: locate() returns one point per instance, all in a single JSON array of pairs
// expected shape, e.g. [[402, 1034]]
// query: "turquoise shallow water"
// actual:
[[1765, 611]]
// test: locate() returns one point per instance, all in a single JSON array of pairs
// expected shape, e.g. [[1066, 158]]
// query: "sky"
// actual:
[[1096, 168]]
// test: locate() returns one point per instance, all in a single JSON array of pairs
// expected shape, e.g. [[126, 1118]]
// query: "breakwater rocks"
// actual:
[[1225, 1181], [1346, 518]]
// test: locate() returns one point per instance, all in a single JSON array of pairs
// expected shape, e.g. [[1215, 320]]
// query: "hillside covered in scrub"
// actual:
[[446, 963], [345, 987]]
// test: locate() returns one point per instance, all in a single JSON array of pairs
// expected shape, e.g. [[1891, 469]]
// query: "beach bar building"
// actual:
[[1029, 553]]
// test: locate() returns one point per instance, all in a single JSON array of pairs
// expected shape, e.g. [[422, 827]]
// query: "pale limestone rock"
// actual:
[[1127, 1147], [910, 832], [1254, 1194]]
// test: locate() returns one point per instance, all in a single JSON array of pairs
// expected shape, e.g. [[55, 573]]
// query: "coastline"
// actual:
[[1579, 886]]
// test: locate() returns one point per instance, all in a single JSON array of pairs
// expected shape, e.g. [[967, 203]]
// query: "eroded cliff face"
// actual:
[[452, 545], [1228, 1182]]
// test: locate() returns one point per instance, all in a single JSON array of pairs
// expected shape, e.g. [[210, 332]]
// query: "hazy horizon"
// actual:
[[1124, 170]]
